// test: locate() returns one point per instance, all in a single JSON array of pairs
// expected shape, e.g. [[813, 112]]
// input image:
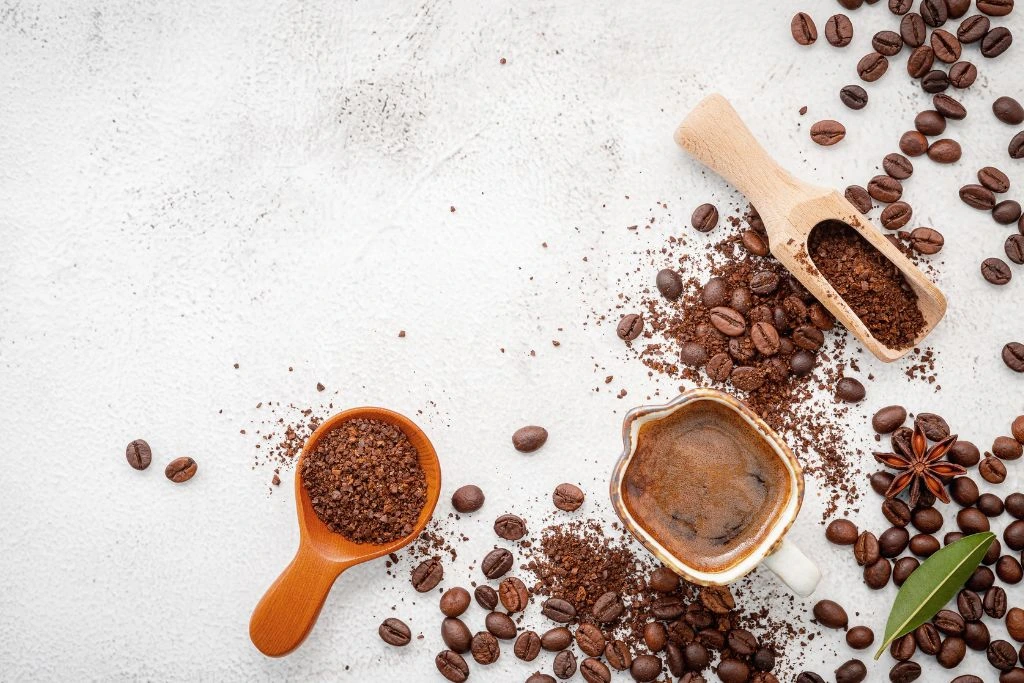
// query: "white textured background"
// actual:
[[189, 185]]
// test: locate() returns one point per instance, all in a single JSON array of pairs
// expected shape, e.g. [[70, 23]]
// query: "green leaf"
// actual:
[[933, 584]]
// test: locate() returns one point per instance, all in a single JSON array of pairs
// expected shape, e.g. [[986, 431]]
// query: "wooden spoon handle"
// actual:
[[714, 134], [287, 611]]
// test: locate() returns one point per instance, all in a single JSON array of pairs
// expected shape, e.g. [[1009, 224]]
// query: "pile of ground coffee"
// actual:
[[365, 481], [872, 286]]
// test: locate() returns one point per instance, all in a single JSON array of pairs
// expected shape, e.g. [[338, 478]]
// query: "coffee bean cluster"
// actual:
[[951, 632], [984, 196], [687, 627]]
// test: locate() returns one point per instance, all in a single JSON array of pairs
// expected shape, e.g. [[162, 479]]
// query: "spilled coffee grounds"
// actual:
[[365, 481], [872, 286]]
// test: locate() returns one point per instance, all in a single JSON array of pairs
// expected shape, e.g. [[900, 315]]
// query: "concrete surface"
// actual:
[[190, 185]]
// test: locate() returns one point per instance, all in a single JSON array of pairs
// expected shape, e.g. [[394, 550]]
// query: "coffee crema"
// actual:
[[706, 485]]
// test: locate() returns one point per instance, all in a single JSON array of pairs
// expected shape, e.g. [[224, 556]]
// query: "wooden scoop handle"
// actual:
[[289, 609], [716, 136]]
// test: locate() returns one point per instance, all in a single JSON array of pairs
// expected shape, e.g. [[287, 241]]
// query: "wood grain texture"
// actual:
[[714, 134], [288, 610]]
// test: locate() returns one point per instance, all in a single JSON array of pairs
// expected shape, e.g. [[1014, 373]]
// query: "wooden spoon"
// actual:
[[791, 208], [286, 613]]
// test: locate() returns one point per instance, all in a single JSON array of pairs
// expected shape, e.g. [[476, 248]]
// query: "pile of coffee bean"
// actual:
[[936, 61], [365, 481], [140, 456], [949, 635], [606, 609]]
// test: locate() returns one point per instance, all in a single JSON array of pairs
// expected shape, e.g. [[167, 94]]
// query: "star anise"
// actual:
[[921, 466]]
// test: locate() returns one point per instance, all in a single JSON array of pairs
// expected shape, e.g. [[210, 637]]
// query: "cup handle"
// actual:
[[794, 568]]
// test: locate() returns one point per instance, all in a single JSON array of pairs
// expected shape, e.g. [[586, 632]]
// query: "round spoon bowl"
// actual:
[[289, 609]]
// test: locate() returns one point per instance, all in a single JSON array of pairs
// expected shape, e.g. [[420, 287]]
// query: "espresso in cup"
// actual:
[[706, 485]]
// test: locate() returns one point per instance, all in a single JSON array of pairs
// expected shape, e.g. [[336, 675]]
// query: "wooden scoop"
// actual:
[[286, 613], [791, 208]]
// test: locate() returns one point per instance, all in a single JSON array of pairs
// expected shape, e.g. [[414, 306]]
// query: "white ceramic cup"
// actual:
[[773, 551]]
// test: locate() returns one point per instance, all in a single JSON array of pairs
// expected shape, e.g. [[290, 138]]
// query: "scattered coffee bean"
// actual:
[[486, 597], [927, 520], [913, 30], [485, 648], [971, 521], [590, 639], [885, 188], [876, 574], [973, 28], [669, 284], [996, 42], [913, 143], [934, 12], [904, 672], [841, 532], [513, 594], [935, 81], [1006, 212], [564, 665], [645, 668], [952, 652], [556, 639], [538, 677], [530, 438], [809, 677], [900, 7], [949, 107], [427, 574], [607, 608], [1016, 146], [977, 197], [860, 637], [944, 151], [1014, 248], [920, 61], [394, 632], [629, 328], [928, 639], [181, 469], [728, 321], [456, 635], [964, 453], [831, 614], [593, 670], [893, 541], [663, 580], [1002, 655], [903, 648], [704, 218], [903, 568], [1008, 110], [803, 29], [618, 655], [1013, 356], [1009, 570], [926, 241], [468, 498], [500, 625], [995, 8], [897, 166], [558, 610], [995, 271], [1015, 623], [827, 132], [733, 671], [852, 671], [859, 197], [854, 97], [896, 511], [866, 550], [527, 646], [888, 419], [887, 43], [994, 602], [981, 580], [452, 666], [945, 45], [1015, 504], [930, 122], [839, 30], [496, 563], [850, 390], [455, 601], [976, 635], [1013, 535], [567, 497], [872, 66], [962, 75], [139, 454], [510, 527], [1007, 448], [880, 482]]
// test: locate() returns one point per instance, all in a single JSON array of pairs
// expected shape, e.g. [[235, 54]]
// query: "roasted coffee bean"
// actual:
[[733, 671], [924, 545], [527, 646], [556, 639], [854, 97], [704, 218], [693, 354], [468, 498], [513, 594], [830, 613], [905, 672], [803, 362], [827, 132], [1002, 655], [858, 196], [501, 625], [669, 284], [976, 635], [927, 638], [972, 521], [934, 81], [893, 541], [485, 648], [1009, 570], [934, 426], [1013, 356], [717, 599], [839, 30], [866, 549], [765, 338], [981, 580], [949, 107], [900, 7], [593, 670], [607, 608], [850, 390], [486, 597], [645, 668], [1013, 535], [944, 151], [139, 454], [719, 367], [977, 197], [888, 419], [885, 188], [995, 8], [995, 271], [496, 563], [655, 636], [618, 656], [926, 520], [820, 317], [962, 75], [1016, 150], [629, 328], [590, 639], [567, 497], [427, 574], [926, 241], [897, 166], [510, 527], [728, 321], [558, 610], [860, 637], [663, 580], [452, 666], [967, 678], [1015, 623], [994, 602], [715, 292], [920, 61], [1007, 448], [841, 532], [456, 635], [181, 469], [880, 482], [530, 438], [872, 66], [934, 12], [964, 453], [455, 601], [1006, 211], [952, 652], [666, 607], [993, 553], [394, 632], [1014, 248], [538, 677], [564, 665], [913, 30], [852, 671], [957, 8], [896, 215], [803, 29], [903, 648], [876, 574], [741, 300], [747, 378], [990, 505], [913, 143], [742, 642], [809, 677], [696, 656], [763, 659], [887, 43], [945, 45], [996, 42], [808, 337], [949, 622], [973, 28], [930, 122], [903, 568], [1008, 110]]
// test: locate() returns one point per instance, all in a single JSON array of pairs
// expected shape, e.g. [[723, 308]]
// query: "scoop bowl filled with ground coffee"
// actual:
[[711, 490], [366, 484]]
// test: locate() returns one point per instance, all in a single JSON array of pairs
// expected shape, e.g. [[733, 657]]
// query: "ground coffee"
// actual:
[[365, 481]]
